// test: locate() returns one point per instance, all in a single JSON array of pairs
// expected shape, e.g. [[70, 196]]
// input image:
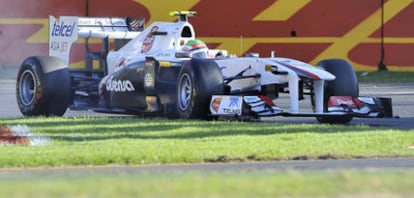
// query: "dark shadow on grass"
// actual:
[[158, 128]]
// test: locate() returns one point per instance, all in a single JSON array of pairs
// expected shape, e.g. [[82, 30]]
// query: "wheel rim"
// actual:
[[184, 92], [27, 87]]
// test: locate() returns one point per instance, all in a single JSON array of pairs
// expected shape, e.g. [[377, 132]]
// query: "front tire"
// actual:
[[198, 80], [345, 84], [43, 87]]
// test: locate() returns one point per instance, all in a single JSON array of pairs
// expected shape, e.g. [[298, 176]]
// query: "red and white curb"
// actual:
[[20, 135]]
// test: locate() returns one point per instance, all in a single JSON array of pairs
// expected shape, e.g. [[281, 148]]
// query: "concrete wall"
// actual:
[[309, 30]]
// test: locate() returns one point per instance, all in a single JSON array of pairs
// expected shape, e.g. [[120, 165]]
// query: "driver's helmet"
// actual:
[[196, 48]]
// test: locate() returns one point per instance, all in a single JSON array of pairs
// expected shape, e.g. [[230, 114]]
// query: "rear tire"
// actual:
[[198, 80], [43, 87], [345, 84]]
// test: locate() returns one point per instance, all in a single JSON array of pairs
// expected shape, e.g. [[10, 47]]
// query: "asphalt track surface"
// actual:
[[402, 95], [280, 166]]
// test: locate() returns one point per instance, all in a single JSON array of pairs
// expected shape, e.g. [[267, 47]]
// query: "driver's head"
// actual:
[[196, 48]]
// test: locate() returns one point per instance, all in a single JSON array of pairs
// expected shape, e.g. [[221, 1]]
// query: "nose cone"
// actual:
[[304, 69]]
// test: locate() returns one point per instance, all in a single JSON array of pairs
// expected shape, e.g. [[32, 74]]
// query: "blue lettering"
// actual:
[[234, 102], [62, 29]]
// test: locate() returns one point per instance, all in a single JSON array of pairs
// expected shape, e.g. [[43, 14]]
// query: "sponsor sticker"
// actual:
[[149, 40], [62, 34], [62, 29], [61, 47], [119, 85], [148, 80], [341, 101], [226, 105]]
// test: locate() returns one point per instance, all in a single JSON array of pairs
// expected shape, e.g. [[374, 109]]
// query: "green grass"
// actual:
[[385, 77], [112, 141], [131, 141], [291, 183]]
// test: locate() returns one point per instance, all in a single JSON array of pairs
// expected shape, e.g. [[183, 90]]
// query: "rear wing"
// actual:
[[64, 32]]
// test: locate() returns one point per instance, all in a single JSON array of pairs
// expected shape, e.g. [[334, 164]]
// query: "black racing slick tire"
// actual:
[[43, 87], [198, 80], [345, 84]]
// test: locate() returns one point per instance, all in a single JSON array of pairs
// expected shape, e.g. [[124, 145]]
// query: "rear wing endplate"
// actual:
[[183, 15], [64, 32]]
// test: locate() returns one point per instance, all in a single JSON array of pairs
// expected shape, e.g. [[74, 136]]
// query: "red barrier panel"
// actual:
[[303, 29]]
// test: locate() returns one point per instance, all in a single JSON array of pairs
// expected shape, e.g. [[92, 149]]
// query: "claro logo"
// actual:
[[62, 29], [119, 85]]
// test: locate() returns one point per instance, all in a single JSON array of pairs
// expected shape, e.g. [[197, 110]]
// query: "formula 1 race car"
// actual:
[[164, 70]]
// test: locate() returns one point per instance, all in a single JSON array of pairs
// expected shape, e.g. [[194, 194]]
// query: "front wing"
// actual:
[[262, 106]]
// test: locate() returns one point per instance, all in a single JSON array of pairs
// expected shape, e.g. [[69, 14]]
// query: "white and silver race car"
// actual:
[[164, 70]]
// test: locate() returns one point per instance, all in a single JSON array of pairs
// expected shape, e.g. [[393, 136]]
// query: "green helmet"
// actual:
[[196, 48]]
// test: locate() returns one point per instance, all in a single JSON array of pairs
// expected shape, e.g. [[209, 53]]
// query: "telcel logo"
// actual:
[[62, 29]]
